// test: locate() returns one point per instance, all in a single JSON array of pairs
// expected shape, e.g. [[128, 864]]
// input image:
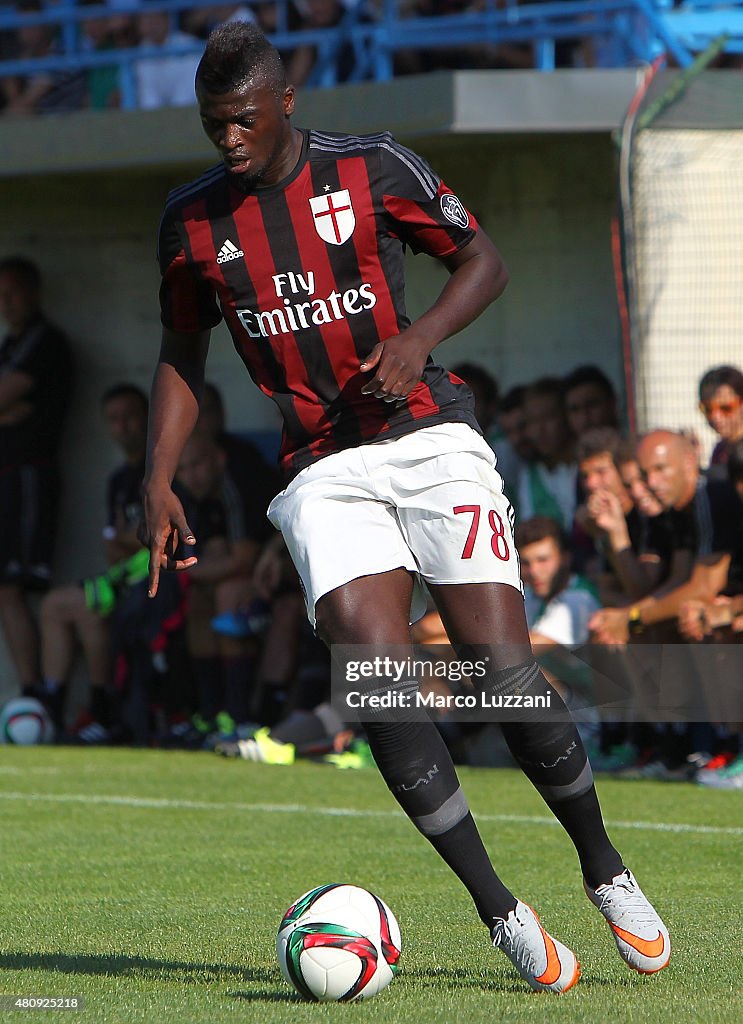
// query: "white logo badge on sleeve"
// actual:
[[334, 217], [453, 210]]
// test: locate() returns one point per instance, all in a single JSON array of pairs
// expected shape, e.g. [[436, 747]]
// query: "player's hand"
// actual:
[[398, 365], [164, 523], [610, 626]]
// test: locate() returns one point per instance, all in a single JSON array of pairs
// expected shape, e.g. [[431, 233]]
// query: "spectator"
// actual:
[[694, 506], [35, 384], [634, 482], [484, 387], [628, 566], [701, 616], [245, 464], [76, 615], [336, 58], [590, 399], [46, 91], [115, 31], [559, 604], [200, 21], [547, 486], [164, 78], [721, 402], [223, 665], [515, 449]]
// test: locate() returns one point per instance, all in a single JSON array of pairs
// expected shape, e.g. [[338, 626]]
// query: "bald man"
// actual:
[[693, 508]]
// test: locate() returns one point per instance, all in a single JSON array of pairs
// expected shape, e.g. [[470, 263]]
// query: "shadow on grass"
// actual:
[[267, 995], [461, 978], [121, 964]]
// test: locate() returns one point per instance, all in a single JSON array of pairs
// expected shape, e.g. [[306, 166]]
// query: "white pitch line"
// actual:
[[159, 803]]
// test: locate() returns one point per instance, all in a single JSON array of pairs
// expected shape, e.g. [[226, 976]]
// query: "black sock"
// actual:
[[100, 705], [547, 747], [207, 673], [418, 769], [238, 685]]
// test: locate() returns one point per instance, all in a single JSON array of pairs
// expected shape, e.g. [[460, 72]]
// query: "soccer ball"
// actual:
[[25, 721], [338, 942]]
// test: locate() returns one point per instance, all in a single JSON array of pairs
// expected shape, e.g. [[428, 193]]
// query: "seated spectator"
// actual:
[[635, 484], [164, 79], [559, 604], [474, 55], [245, 464], [330, 62], [199, 21], [514, 446], [695, 510], [590, 399], [628, 563], [36, 372], [699, 514], [47, 91], [115, 31], [229, 533], [76, 615], [721, 402], [485, 389], [547, 486]]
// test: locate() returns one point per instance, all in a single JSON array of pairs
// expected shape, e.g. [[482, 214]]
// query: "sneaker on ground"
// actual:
[[190, 733], [542, 961], [87, 732], [641, 937], [224, 731], [729, 776], [260, 747], [357, 756]]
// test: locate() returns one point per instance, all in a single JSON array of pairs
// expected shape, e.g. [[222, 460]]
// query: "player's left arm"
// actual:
[[478, 276]]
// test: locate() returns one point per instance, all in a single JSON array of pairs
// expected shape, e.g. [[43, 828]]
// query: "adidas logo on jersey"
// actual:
[[229, 252]]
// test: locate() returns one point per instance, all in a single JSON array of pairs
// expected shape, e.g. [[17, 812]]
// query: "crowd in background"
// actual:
[[630, 548], [163, 74]]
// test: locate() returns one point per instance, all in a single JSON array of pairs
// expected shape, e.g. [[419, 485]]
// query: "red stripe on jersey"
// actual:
[[252, 239], [429, 235]]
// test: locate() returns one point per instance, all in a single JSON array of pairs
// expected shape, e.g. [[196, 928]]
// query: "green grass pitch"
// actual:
[[150, 884]]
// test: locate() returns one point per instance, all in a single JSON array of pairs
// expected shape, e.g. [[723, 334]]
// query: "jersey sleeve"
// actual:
[[420, 209], [188, 302]]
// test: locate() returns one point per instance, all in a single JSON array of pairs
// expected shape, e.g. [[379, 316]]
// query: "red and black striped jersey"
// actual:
[[309, 276]]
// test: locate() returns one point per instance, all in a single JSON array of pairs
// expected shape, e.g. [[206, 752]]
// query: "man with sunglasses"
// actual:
[[721, 403]]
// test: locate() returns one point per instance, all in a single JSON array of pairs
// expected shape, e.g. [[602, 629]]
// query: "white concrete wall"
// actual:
[[546, 201]]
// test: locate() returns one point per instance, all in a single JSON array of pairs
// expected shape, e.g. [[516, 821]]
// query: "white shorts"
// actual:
[[430, 502]]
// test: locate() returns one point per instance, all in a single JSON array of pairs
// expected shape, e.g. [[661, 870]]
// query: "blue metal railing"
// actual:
[[628, 31]]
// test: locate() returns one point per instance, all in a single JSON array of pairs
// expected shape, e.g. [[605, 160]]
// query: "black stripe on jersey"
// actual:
[[310, 343], [181, 192], [363, 325], [222, 225], [179, 195], [429, 181]]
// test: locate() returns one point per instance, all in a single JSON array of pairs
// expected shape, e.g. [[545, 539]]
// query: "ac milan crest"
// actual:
[[334, 217]]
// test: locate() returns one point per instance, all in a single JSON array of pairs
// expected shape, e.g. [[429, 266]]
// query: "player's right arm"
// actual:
[[174, 408]]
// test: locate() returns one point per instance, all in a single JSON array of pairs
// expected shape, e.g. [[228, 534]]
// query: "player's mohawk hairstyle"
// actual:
[[237, 54]]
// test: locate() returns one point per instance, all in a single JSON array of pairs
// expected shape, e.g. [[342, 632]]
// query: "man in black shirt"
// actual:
[[35, 382], [76, 615]]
